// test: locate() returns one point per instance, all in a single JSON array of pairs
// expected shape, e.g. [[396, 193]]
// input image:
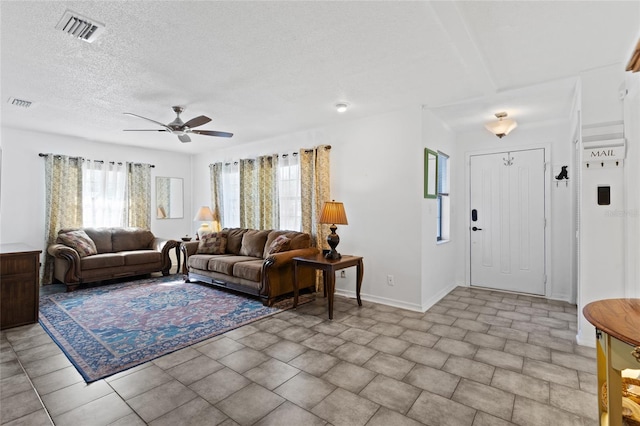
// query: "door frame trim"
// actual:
[[547, 205]]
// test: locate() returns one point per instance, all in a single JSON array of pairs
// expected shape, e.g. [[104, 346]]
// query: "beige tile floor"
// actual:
[[477, 357]]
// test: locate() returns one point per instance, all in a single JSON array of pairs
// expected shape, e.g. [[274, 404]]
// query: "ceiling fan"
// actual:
[[180, 128]]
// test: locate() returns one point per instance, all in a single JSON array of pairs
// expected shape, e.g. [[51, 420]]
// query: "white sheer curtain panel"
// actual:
[[231, 195], [104, 189], [289, 192]]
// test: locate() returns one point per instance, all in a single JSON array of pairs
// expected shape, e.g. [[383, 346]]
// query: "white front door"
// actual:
[[507, 223]]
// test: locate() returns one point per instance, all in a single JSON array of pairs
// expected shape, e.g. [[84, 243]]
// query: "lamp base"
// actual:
[[333, 255], [333, 240], [204, 229]]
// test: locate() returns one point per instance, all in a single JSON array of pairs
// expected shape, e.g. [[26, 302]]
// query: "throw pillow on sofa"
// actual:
[[280, 244], [79, 241], [253, 242], [212, 243]]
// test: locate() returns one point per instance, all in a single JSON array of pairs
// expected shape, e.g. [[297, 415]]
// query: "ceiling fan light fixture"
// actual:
[[503, 126], [342, 107]]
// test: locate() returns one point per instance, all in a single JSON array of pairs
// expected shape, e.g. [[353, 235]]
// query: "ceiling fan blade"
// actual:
[[148, 119], [198, 121], [213, 133], [145, 130], [184, 137]]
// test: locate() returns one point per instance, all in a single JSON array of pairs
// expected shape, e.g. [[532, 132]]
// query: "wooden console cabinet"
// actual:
[[617, 323], [19, 285]]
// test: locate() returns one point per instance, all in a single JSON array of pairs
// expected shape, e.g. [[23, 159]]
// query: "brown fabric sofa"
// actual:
[[248, 266], [119, 252]]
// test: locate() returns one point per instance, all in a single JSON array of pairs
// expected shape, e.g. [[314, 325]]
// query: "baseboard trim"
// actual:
[[382, 300], [582, 341], [426, 304], [399, 303]]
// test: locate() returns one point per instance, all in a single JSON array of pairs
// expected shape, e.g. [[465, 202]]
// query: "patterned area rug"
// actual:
[[108, 329]]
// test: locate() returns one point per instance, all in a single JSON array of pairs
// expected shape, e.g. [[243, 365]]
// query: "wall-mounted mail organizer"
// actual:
[[603, 154]]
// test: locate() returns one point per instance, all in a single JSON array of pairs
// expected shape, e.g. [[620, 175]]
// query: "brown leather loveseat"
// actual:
[[252, 261], [85, 255]]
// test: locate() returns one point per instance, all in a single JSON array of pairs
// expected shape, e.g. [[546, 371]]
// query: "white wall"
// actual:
[[632, 177], [22, 196], [603, 237], [439, 261], [376, 170], [556, 137]]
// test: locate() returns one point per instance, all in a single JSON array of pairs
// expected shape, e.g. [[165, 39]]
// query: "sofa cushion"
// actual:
[[99, 261], [299, 240], [79, 241], [253, 242], [280, 244], [201, 261], [212, 243], [102, 239], [225, 264], [140, 257], [234, 239], [127, 239], [250, 270]]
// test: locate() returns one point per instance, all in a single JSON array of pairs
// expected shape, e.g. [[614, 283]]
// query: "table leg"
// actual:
[[324, 284], [359, 275], [330, 280], [295, 284], [178, 270]]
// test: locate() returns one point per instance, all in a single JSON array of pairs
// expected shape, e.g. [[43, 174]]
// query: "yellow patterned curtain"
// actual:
[[259, 193], [215, 174], [315, 189], [63, 182], [268, 211], [139, 195], [248, 188]]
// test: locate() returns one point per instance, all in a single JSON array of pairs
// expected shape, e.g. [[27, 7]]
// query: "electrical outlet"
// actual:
[[343, 274], [390, 280]]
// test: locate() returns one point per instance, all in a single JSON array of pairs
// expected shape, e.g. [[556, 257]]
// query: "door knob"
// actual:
[[475, 228]]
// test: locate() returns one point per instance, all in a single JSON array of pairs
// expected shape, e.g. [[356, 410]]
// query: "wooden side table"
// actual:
[[19, 284], [617, 323], [328, 268]]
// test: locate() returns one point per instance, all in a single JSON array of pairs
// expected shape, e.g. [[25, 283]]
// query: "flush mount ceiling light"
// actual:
[[342, 107], [503, 126]]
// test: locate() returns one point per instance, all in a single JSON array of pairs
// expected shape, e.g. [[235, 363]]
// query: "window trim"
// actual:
[[439, 195]]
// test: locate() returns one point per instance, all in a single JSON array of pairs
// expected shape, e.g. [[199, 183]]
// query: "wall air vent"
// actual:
[[19, 102], [80, 26]]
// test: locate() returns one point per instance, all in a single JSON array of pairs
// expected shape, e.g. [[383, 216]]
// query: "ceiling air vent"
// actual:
[[80, 26], [19, 102]]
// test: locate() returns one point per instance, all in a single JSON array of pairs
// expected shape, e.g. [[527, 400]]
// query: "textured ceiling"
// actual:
[[260, 69]]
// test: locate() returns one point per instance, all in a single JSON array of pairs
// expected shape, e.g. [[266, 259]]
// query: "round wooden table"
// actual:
[[617, 323]]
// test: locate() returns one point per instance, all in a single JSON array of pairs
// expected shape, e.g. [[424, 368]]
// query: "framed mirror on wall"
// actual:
[[430, 173], [169, 198]]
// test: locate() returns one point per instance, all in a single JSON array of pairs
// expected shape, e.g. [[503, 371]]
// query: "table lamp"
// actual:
[[333, 213], [204, 215]]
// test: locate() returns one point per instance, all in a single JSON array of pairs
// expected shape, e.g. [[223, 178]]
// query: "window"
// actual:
[[290, 206], [287, 193], [443, 197], [231, 195], [104, 194]]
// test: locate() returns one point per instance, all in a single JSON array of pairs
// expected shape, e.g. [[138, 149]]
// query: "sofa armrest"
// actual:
[[277, 260], [164, 246], [188, 248], [60, 251]]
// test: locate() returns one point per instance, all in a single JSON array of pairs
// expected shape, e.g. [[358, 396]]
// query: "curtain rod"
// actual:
[[95, 161]]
